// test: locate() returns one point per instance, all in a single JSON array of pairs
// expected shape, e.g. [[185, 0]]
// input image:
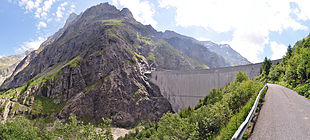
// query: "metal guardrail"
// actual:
[[239, 133]]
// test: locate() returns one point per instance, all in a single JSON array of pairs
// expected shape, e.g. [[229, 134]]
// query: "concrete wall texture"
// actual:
[[185, 88]]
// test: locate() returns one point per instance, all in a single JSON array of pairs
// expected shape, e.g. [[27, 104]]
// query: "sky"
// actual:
[[254, 28]]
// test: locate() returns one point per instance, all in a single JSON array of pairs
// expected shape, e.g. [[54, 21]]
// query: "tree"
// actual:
[[265, 66], [289, 51], [241, 76], [19, 128], [172, 126]]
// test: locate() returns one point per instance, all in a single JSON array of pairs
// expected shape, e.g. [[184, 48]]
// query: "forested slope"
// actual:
[[293, 71]]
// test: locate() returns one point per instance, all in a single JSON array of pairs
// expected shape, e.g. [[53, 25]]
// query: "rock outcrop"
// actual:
[[93, 69], [8, 65], [98, 66]]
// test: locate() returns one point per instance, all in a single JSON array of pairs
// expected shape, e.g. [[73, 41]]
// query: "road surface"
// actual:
[[285, 115]]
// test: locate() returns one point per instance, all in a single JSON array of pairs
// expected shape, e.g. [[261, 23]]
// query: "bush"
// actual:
[[20, 128]]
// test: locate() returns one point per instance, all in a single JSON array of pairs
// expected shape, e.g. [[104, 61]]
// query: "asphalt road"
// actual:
[[285, 115]]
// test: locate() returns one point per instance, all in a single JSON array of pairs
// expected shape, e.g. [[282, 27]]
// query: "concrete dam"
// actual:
[[185, 88]]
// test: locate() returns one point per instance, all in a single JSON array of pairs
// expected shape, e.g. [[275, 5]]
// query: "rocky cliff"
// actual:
[[96, 66], [93, 69], [221, 55], [224, 50], [8, 65]]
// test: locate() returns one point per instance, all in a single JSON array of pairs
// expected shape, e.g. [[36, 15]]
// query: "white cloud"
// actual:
[[29, 4], [143, 11], [278, 50], [41, 24], [203, 39], [72, 8], [250, 21], [60, 10], [33, 44], [303, 11], [42, 8]]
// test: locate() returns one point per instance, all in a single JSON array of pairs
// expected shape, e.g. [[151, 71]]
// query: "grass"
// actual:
[[139, 56], [145, 40], [15, 107], [42, 80], [135, 55], [3, 107], [112, 22], [9, 93], [74, 62], [46, 106], [151, 57], [114, 35], [202, 66]]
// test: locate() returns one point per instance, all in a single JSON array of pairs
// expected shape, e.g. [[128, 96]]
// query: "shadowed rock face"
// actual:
[[8, 65]]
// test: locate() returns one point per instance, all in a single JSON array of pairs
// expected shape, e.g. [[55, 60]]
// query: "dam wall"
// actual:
[[185, 88]]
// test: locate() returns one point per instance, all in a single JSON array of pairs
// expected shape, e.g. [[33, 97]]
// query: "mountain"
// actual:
[[93, 69], [52, 38], [195, 50], [8, 65], [224, 50], [97, 66]]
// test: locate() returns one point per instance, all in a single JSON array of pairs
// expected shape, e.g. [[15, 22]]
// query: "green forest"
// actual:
[[293, 71], [22, 128]]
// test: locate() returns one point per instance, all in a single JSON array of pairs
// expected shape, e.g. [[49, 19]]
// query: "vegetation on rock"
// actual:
[[22, 128]]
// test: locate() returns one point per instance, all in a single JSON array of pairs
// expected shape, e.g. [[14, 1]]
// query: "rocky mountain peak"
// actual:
[[101, 12], [126, 13], [70, 19]]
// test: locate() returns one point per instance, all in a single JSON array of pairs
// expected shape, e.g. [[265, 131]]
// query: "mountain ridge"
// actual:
[[97, 67]]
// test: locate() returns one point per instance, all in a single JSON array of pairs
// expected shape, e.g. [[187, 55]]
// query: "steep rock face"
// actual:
[[72, 17], [7, 72], [8, 65], [93, 70], [87, 29], [219, 51], [230, 55], [19, 67], [198, 52]]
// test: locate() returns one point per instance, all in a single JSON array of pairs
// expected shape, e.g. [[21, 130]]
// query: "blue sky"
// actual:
[[254, 28]]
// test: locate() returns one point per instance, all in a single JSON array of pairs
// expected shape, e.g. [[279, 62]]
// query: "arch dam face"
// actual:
[[185, 88]]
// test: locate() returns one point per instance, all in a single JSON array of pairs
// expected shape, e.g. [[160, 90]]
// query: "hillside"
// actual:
[[8, 65], [93, 69], [96, 67], [293, 71], [212, 54], [224, 50]]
